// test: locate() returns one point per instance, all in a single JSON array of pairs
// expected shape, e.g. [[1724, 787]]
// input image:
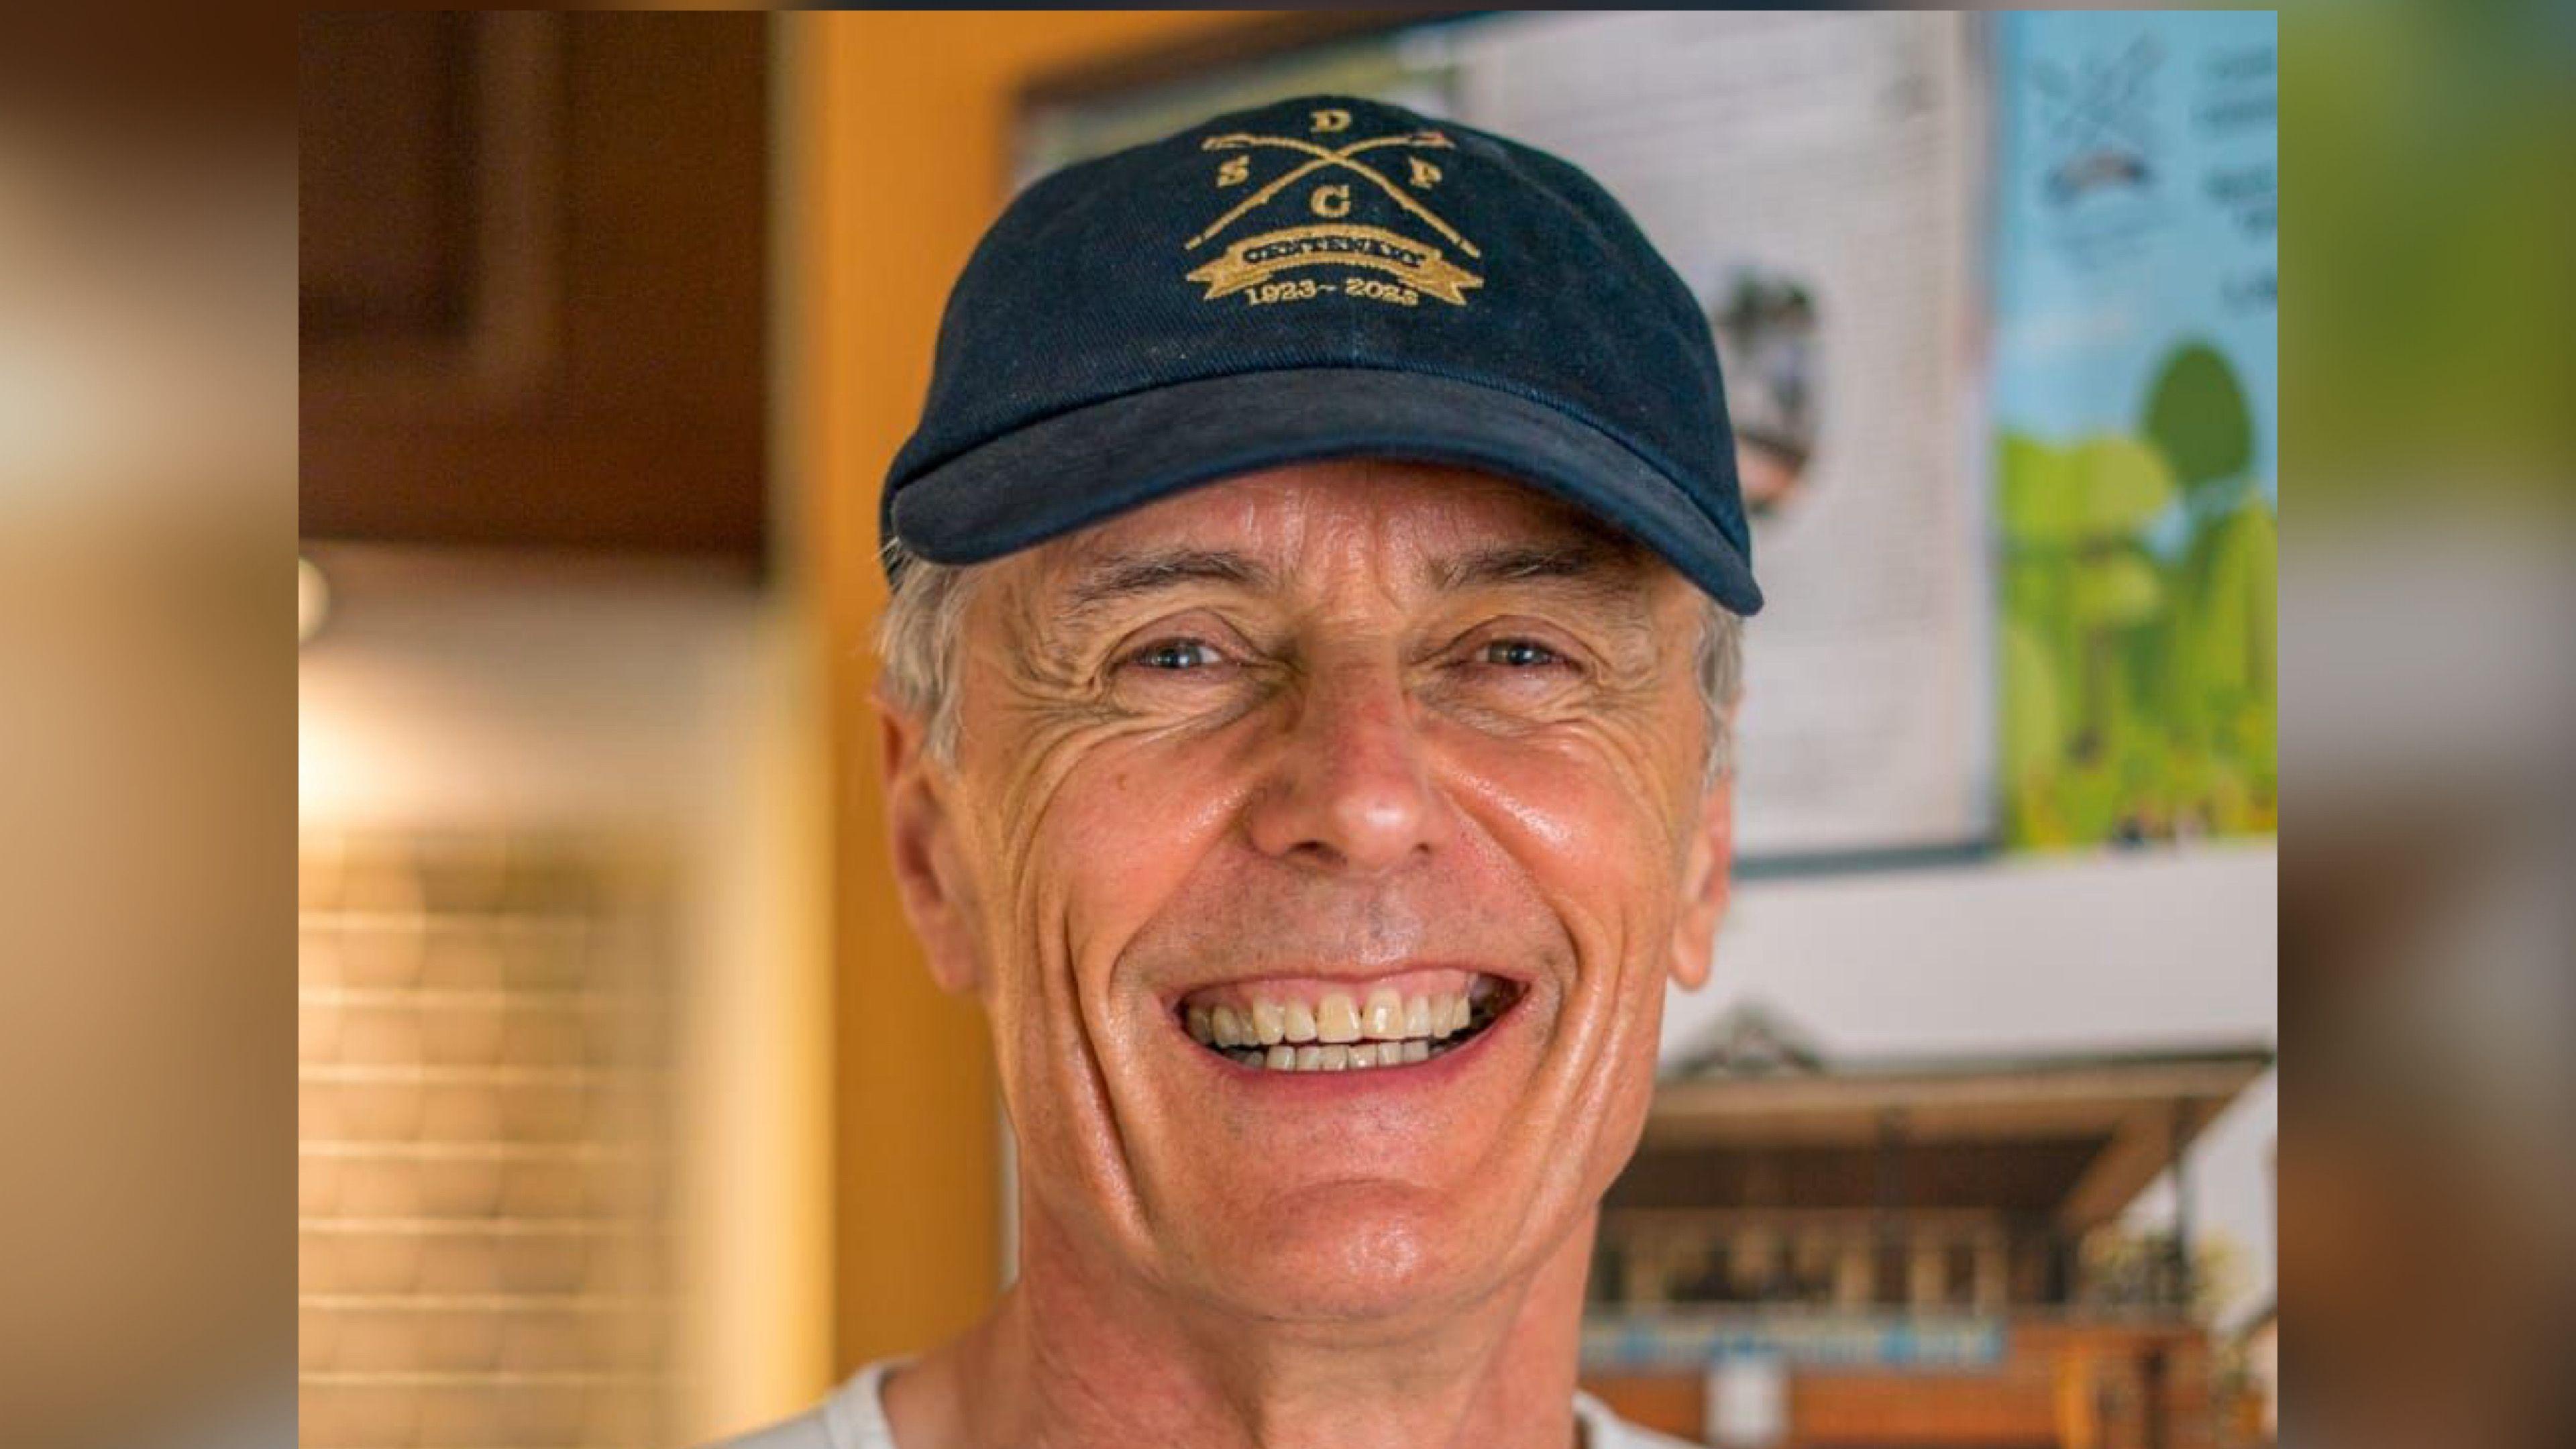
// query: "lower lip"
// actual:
[[1432, 1073]]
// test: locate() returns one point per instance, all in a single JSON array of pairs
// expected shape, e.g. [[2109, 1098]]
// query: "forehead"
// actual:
[[1369, 513]]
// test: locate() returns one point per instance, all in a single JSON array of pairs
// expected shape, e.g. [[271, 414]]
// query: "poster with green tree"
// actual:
[[2135, 450]]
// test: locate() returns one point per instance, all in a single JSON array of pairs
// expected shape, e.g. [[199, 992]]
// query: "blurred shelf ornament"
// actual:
[[312, 600]]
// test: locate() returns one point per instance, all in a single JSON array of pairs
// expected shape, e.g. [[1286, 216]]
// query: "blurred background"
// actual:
[[623, 1112]]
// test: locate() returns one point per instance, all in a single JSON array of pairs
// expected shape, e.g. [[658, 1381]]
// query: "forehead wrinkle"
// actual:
[[1553, 547]]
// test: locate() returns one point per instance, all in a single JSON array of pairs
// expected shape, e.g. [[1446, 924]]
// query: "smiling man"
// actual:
[[1317, 585]]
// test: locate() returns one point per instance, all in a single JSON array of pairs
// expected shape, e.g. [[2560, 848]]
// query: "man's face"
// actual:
[[1354, 750]]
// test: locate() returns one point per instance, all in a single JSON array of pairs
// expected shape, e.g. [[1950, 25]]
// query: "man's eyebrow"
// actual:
[[1127, 575], [1601, 565]]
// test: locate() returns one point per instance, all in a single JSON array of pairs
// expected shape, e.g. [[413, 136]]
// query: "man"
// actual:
[[1317, 581]]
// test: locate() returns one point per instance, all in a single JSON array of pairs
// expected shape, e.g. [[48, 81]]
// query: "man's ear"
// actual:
[[936, 890], [1707, 878]]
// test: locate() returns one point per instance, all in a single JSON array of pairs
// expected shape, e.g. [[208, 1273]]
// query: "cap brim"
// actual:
[[1080, 467]]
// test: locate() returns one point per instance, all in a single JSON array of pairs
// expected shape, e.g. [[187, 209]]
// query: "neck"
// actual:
[[1078, 1354]]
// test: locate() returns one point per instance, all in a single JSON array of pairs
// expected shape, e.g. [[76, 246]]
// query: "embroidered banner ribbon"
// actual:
[[1256, 259]]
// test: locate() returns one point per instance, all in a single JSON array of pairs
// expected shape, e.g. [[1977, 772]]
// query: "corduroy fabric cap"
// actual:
[[1326, 277]]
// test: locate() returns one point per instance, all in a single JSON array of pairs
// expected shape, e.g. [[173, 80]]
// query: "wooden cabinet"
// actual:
[[533, 280]]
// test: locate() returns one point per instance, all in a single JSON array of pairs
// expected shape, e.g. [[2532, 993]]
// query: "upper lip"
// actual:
[[1339, 973]]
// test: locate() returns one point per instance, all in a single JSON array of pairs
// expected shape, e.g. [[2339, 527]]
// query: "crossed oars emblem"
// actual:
[[1324, 156], [1251, 260]]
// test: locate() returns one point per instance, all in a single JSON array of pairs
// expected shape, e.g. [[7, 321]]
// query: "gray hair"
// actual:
[[918, 638]]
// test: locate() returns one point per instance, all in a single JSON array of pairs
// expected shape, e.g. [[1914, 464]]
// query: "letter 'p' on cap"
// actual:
[[1320, 278]]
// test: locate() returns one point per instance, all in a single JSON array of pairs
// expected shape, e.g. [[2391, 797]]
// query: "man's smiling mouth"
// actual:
[[1283, 1026]]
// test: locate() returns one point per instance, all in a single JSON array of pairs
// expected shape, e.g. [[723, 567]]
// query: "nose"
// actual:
[[1351, 789]]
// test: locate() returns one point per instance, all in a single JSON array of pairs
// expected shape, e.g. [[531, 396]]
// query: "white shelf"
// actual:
[[2144, 948]]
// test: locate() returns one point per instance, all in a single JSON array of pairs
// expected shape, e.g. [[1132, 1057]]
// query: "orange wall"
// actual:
[[894, 131]]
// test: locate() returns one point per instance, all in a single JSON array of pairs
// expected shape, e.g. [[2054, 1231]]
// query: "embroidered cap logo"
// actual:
[[1251, 266]]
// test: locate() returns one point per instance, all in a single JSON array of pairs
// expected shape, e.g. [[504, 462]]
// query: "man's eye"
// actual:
[[1520, 654], [1176, 655]]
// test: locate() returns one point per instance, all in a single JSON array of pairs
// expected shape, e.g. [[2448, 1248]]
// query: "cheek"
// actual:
[[1124, 827], [1586, 818]]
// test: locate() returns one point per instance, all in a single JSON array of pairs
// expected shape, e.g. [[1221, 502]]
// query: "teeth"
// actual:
[[1384, 1020], [1336, 1020], [1338, 1033], [1337, 1057]]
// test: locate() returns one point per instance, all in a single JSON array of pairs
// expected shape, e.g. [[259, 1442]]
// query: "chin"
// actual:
[[1354, 1252]]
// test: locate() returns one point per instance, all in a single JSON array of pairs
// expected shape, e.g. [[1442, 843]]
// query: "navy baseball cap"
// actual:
[[1327, 277]]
